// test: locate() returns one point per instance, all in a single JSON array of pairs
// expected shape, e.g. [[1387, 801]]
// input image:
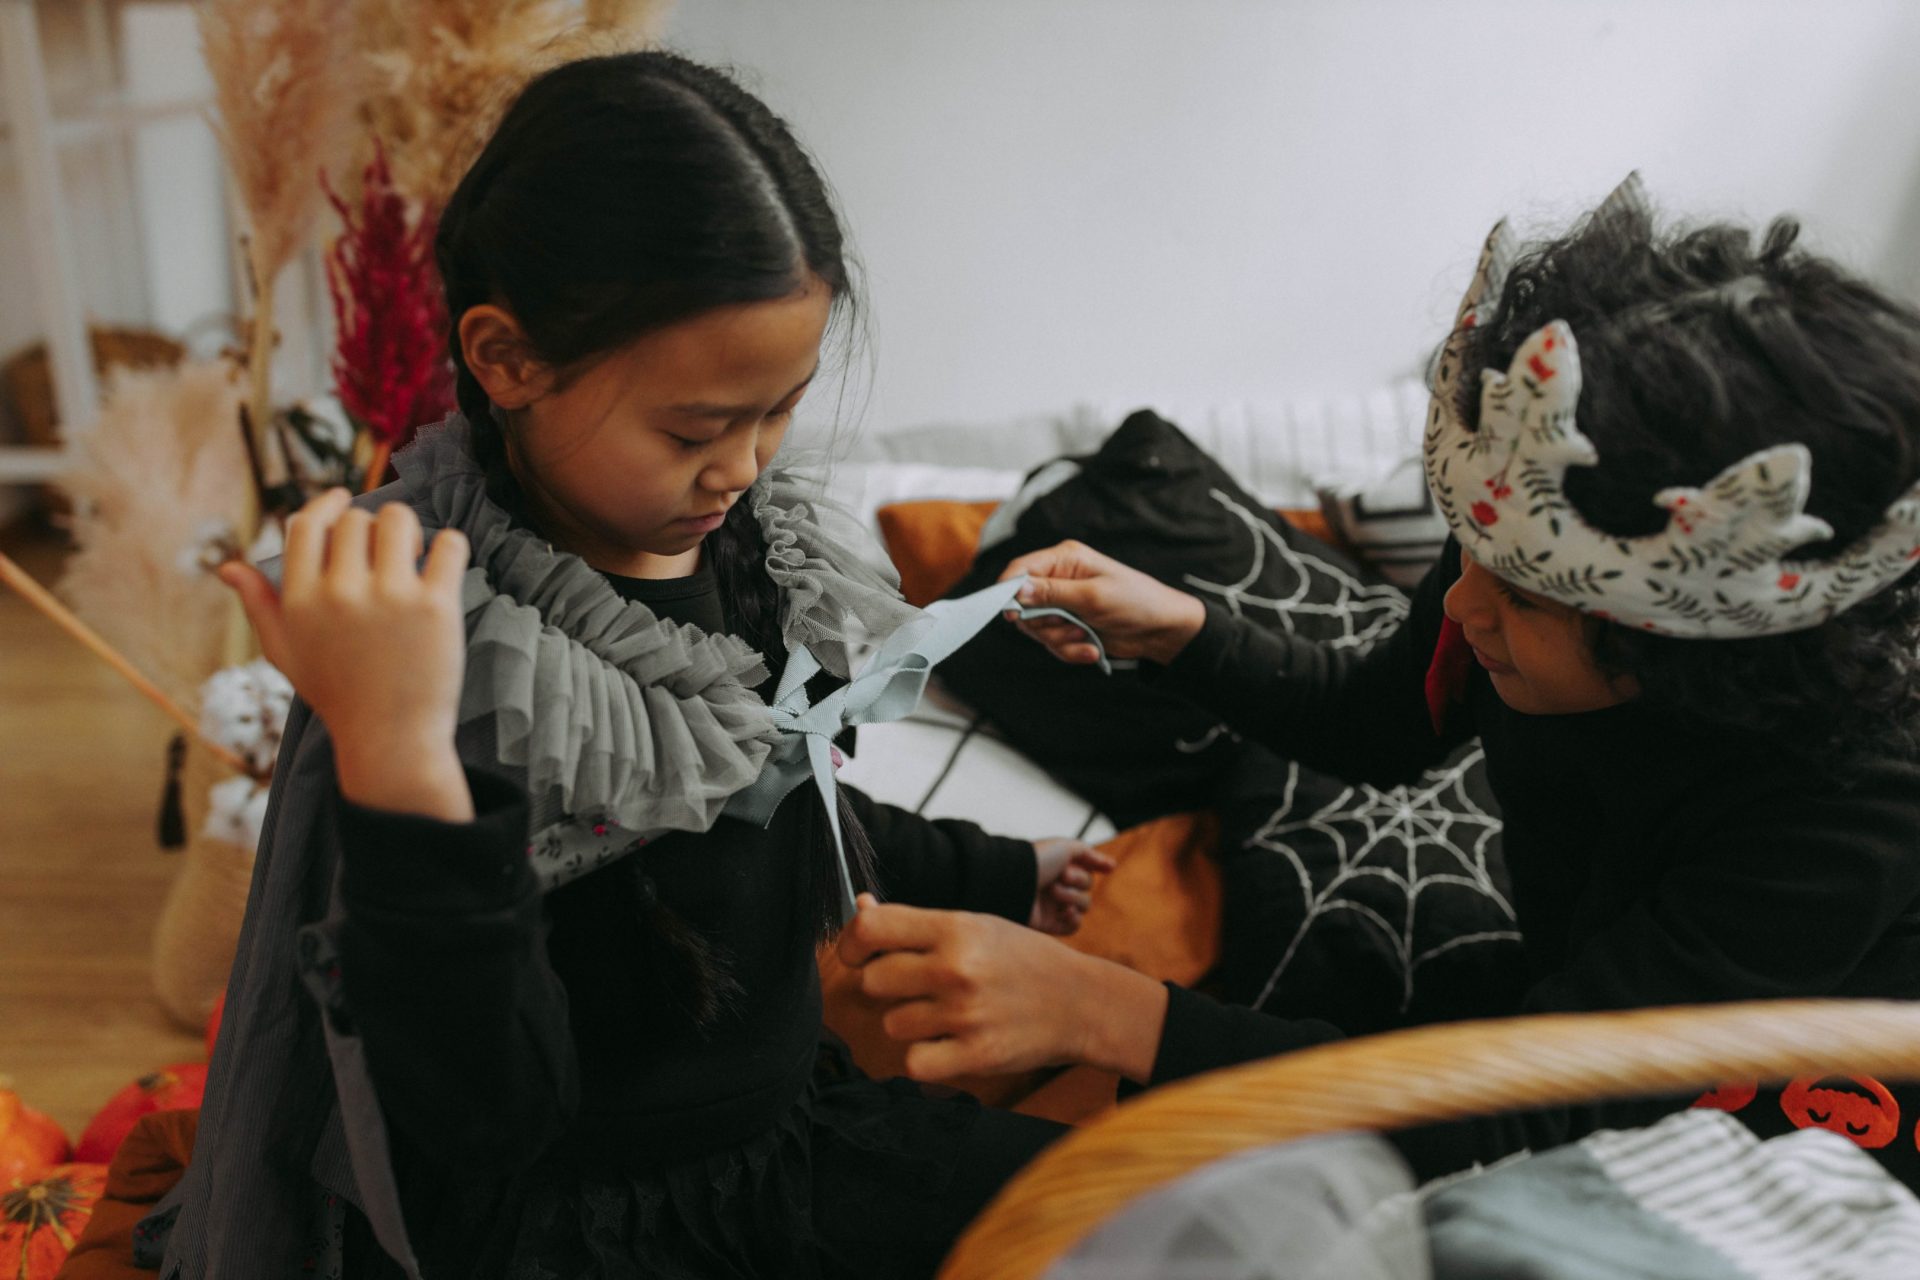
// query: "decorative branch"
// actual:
[[43, 600]]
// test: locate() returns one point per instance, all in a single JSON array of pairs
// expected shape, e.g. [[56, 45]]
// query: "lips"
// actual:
[[1493, 666]]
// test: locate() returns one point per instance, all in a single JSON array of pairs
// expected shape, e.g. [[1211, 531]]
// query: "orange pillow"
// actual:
[[1158, 912], [933, 543]]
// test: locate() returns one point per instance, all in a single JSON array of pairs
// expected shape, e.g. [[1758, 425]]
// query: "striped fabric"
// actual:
[[1809, 1204]]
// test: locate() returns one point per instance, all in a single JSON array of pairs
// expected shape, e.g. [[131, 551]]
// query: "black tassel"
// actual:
[[173, 816]]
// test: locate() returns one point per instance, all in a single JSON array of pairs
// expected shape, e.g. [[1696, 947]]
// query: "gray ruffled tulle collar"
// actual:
[[623, 725]]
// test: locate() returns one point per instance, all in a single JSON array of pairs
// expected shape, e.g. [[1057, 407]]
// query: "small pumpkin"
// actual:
[[1734, 1095], [40, 1219], [175, 1088], [30, 1141], [1860, 1108]]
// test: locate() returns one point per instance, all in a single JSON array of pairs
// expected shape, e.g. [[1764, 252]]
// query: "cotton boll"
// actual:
[[245, 709]]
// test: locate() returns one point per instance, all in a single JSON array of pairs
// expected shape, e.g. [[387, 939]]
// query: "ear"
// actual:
[[497, 351]]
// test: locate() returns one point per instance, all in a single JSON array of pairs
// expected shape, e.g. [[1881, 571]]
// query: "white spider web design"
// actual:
[[1364, 612], [1382, 834]]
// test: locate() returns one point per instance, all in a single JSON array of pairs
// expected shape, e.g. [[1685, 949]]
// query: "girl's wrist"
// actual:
[[426, 779], [1184, 621], [1123, 1014]]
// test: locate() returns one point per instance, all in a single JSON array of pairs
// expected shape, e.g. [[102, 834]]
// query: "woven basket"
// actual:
[[1414, 1077], [199, 926]]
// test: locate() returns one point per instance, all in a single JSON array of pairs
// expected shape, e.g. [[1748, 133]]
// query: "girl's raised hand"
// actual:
[[375, 646], [1136, 616]]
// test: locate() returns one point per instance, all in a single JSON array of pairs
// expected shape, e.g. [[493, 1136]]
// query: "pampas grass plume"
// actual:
[[163, 464]]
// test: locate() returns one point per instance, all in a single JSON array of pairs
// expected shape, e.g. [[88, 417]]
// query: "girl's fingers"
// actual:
[[1062, 560], [916, 1020], [888, 927], [900, 975], [305, 556], [446, 560], [1071, 898], [348, 547], [939, 1059], [396, 544], [262, 605]]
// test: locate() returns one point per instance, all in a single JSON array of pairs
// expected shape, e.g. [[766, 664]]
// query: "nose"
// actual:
[[736, 465], [1470, 600]]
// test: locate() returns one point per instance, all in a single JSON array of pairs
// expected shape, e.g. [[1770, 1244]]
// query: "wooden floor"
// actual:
[[81, 879]]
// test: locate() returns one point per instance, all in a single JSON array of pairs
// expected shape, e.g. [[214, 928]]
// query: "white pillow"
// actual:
[[943, 761]]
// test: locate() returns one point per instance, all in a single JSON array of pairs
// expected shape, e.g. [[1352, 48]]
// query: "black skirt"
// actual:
[[860, 1178]]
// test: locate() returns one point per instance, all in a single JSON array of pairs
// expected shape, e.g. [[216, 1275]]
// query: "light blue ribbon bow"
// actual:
[[888, 687]]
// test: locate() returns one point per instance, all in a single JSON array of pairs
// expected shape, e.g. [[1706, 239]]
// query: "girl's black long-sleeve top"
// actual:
[[1653, 863], [501, 1024]]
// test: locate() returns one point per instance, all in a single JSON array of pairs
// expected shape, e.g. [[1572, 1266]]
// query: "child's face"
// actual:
[[636, 458], [1535, 649]]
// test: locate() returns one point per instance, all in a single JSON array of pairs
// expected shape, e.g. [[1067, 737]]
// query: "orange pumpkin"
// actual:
[[29, 1141], [40, 1220], [1861, 1108], [175, 1088], [1734, 1095]]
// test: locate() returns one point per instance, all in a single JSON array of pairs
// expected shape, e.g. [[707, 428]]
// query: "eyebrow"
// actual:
[[711, 410]]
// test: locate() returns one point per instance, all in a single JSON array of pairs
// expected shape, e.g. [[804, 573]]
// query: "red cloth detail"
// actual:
[[1447, 673]]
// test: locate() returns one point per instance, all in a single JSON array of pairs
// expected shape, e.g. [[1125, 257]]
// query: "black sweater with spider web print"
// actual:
[[1653, 864]]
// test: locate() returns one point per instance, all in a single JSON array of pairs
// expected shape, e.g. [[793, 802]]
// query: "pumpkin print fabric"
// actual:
[[1876, 1116]]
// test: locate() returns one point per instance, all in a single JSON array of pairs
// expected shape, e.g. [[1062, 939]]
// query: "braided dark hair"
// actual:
[[1699, 347], [619, 195]]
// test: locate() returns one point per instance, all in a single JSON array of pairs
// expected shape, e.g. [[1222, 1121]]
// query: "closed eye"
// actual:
[[1513, 597]]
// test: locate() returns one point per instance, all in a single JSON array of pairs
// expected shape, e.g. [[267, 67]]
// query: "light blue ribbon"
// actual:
[[888, 687]]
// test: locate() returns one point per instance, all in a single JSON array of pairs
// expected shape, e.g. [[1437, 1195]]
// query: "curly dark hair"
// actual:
[[1698, 347]]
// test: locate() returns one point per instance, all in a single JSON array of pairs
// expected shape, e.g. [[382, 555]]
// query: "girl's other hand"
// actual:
[[374, 644], [1136, 616], [1064, 883], [978, 995]]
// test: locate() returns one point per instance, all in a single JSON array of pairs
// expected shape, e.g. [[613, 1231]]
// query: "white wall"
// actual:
[[1063, 200]]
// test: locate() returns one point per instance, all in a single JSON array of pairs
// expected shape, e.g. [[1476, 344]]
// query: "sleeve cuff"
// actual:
[[1196, 664], [1201, 1034], [1008, 880], [406, 862]]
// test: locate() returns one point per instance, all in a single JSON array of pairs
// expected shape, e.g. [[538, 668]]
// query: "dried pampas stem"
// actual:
[[285, 81]]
